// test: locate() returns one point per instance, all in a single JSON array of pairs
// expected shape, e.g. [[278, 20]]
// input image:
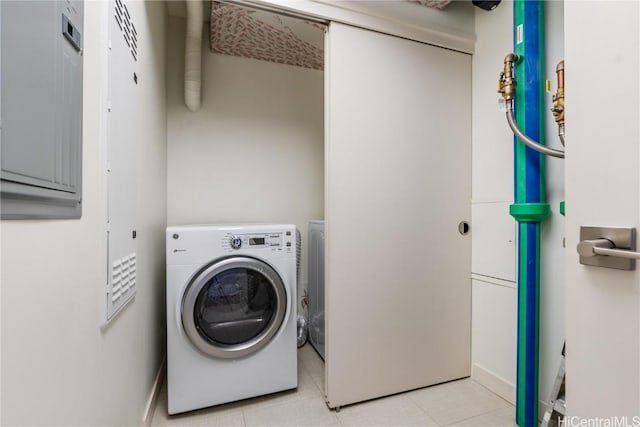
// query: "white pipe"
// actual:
[[192, 55]]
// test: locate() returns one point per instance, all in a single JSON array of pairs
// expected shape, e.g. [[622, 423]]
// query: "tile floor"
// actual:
[[456, 404]]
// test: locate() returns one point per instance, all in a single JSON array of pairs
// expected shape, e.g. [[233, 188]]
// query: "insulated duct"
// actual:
[[193, 55]]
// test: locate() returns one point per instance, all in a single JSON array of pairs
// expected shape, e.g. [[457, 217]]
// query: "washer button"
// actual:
[[236, 242]]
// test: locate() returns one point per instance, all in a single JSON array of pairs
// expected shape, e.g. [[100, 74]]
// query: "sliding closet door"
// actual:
[[398, 183]]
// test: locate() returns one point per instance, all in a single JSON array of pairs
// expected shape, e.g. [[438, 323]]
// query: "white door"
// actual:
[[398, 183], [602, 189]]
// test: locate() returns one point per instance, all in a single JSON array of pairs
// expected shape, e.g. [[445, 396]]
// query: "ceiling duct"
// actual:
[[435, 4], [268, 36], [193, 55]]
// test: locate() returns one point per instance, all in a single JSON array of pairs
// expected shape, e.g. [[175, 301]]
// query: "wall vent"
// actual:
[[123, 18], [123, 277]]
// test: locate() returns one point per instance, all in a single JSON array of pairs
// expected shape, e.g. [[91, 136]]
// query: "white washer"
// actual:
[[231, 320], [316, 286]]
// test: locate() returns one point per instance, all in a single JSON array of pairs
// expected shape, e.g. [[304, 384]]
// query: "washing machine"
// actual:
[[316, 286], [231, 313]]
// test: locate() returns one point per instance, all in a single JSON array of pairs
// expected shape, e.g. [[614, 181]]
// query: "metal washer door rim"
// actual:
[[248, 347]]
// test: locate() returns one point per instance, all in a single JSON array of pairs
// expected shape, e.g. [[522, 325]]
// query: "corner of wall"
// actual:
[[492, 193], [55, 270]]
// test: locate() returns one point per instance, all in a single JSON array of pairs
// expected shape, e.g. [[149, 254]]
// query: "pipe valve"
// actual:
[[507, 83], [558, 101], [558, 98], [507, 88]]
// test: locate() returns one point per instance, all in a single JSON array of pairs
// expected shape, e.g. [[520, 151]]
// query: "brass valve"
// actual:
[[558, 98], [507, 83]]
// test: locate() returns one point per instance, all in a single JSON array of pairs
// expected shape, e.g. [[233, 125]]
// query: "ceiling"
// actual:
[[436, 4], [177, 7], [267, 36], [247, 32]]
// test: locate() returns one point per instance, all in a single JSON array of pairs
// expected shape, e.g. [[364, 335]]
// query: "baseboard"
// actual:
[[495, 383], [155, 393], [542, 407]]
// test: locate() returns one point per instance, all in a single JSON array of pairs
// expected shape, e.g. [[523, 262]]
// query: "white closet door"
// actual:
[[398, 183]]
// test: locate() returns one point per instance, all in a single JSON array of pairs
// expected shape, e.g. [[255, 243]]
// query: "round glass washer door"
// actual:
[[234, 307]]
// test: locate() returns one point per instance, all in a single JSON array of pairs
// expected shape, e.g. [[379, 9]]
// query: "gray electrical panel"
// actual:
[[41, 108]]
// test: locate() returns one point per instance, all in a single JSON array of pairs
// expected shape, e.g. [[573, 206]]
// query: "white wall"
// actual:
[[494, 231], [552, 279], [493, 266], [254, 152], [58, 366]]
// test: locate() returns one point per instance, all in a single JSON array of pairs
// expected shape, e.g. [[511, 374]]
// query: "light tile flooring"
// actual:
[[459, 403]]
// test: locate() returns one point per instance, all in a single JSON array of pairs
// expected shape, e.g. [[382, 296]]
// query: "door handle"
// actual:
[[589, 248], [610, 247]]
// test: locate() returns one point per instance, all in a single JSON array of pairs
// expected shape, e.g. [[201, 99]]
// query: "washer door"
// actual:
[[234, 307]]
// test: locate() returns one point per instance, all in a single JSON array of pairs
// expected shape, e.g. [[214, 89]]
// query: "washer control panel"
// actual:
[[267, 241]]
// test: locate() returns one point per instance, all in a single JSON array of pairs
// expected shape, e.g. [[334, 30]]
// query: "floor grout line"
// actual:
[[310, 392], [244, 419], [475, 416], [423, 410]]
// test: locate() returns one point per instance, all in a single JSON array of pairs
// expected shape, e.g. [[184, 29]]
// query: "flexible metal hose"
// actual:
[[561, 135], [528, 141]]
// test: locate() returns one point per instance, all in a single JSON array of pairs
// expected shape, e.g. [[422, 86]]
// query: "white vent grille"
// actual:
[[123, 277], [125, 22], [298, 254]]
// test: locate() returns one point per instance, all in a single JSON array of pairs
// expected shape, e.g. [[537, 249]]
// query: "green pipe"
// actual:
[[530, 207]]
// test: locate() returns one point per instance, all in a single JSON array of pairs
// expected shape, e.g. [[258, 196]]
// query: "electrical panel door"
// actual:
[[41, 63], [122, 107]]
